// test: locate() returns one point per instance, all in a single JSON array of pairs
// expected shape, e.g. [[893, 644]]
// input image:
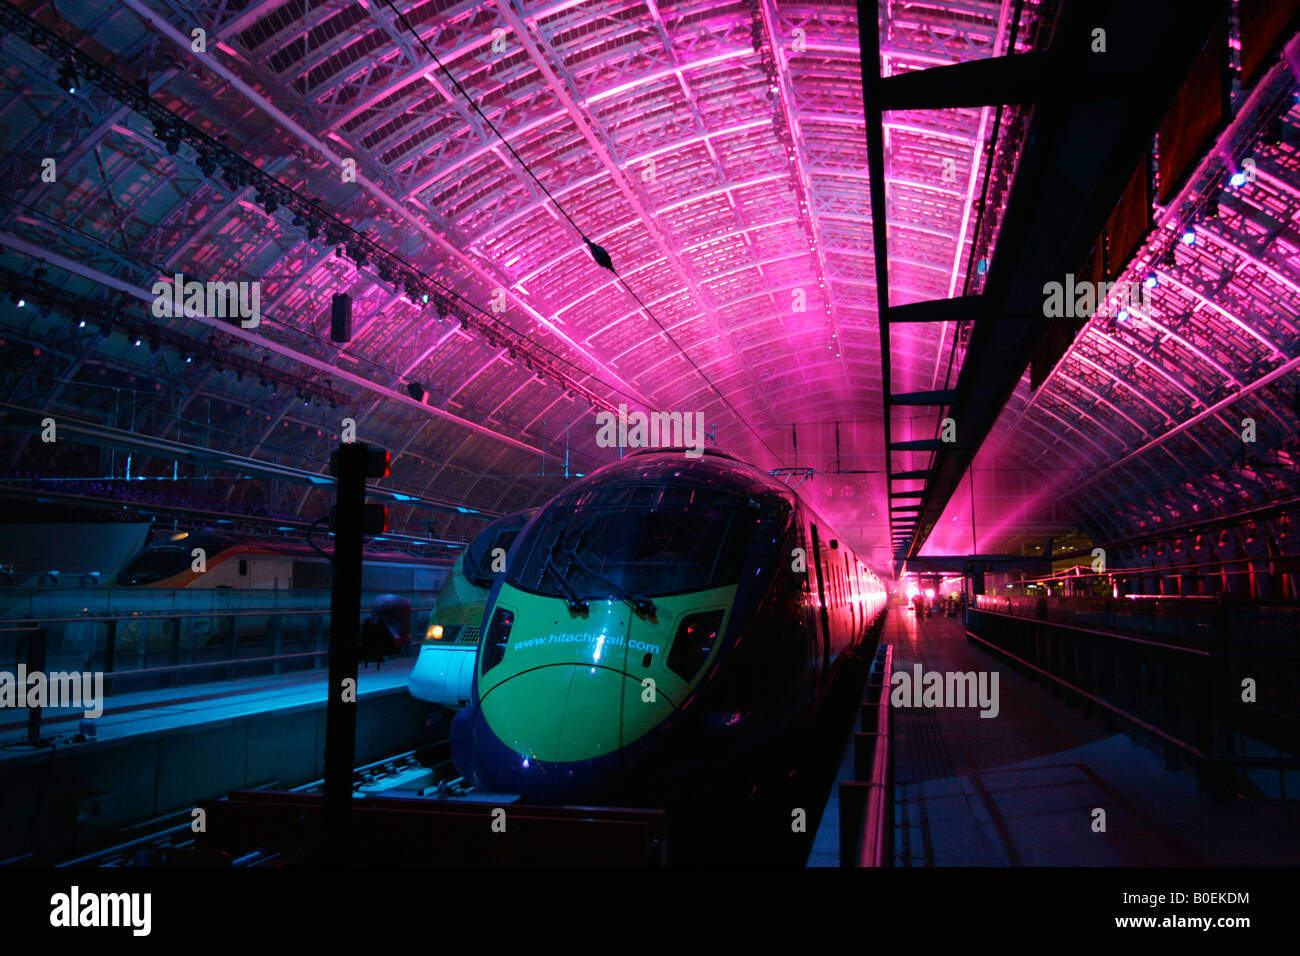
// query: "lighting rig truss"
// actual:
[[237, 173], [47, 296]]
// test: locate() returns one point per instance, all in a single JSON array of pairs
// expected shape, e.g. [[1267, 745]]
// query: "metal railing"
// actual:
[[867, 801], [181, 638], [1181, 691], [1188, 621]]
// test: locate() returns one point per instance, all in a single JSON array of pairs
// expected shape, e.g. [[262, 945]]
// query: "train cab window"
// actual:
[[243, 567], [482, 554], [649, 539], [154, 564], [484, 572]]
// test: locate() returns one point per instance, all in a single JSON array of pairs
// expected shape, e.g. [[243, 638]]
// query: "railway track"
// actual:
[[426, 771]]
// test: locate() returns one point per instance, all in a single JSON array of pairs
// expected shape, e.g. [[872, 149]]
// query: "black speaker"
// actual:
[[341, 318]]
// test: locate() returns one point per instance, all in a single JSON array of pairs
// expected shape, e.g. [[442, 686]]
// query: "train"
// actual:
[[664, 622], [231, 562], [445, 666], [246, 594]]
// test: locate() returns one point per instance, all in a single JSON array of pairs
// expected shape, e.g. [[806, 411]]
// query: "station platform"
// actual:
[[158, 752], [1021, 788]]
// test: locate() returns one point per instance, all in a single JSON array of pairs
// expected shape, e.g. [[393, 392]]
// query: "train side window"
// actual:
[[243, 567]]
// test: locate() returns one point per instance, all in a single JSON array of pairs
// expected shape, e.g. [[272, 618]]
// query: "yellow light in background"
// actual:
[[434, 633], [180, 537]]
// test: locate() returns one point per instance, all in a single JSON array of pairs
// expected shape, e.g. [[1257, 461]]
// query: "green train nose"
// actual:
[[564, 713]]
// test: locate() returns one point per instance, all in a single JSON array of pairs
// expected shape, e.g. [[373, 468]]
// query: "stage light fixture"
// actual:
[[416, 391], [68, 78]]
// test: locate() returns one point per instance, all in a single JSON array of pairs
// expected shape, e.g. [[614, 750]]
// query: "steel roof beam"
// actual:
[[1074, 90]]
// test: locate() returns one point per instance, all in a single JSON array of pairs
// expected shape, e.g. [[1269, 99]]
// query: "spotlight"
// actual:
[[416, 391], [1275, 133], [189, 359], [20, 301], [138, 341], [207, 165], [1123, 315], [1189, 237], [81, 323], [68, 78], [173, 146], [1237, 179], [1151, 282]]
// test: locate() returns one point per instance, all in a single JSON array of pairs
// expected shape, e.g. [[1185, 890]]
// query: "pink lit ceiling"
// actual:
[[715, 150]]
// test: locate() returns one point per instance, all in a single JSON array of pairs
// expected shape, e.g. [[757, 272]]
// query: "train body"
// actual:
[[660, 623], [444, 671], [237, 563], [242, 614]]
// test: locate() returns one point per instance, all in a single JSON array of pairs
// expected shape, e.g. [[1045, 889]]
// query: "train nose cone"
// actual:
[[557, 733]]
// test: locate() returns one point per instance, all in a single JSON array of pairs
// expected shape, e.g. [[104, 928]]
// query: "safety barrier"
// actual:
[[866, 803], [1221, 704], [208, 638]]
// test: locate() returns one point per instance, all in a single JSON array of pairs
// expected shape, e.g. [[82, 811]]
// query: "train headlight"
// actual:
[[498, 635], [695, 638]]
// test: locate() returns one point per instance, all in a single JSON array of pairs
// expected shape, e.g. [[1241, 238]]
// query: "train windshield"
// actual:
[[154, 564], [644, 539], [483, 552]]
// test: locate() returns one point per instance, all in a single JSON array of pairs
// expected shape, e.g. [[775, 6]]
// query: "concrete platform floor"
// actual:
[[1022, 788]]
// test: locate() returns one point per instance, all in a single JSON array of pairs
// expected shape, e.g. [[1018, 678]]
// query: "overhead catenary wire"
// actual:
[[173, 129], [598, 253]]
